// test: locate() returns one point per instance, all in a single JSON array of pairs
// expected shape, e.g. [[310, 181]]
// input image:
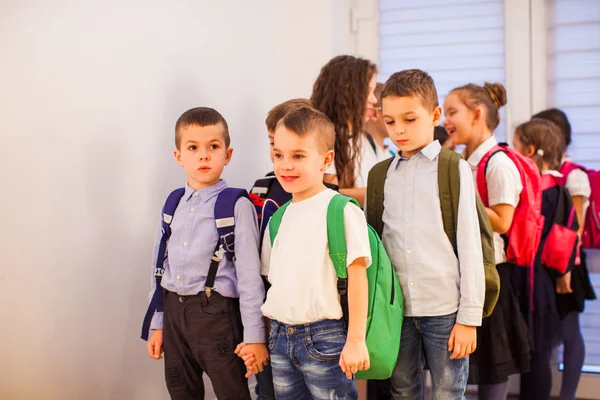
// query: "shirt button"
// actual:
[[408, 219], [178, 277], [412, 284], [185, 243], [191, 210], [408, 251], [408, 189], [196, 194]]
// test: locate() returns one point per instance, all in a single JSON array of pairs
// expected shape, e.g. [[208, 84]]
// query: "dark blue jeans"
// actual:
[[428, 337], [305, 361]]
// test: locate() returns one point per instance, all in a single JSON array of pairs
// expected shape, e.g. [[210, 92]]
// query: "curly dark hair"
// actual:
[[341, 93]]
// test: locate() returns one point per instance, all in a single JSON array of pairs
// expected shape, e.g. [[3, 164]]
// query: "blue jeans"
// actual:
[[428, 337], [305, 361]]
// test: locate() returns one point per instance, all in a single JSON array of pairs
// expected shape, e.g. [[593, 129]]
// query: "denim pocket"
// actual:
[[326, 345]]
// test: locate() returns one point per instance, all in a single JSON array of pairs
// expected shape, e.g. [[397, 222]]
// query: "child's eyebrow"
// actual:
[[291, 151]]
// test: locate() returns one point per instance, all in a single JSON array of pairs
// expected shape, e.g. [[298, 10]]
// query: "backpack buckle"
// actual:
[[227, 241], [342, 287], [218, 256]]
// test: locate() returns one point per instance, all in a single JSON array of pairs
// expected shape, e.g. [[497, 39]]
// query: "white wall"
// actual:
[[89, 95]]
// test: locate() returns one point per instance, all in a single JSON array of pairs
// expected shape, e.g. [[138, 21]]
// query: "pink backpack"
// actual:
[[591, 229], [525, 233]]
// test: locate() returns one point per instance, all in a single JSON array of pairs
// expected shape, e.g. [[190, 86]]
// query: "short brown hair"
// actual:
[[281, 110], [412, 83], [491, 95], [201, 116], [547, 140], [308, 121]]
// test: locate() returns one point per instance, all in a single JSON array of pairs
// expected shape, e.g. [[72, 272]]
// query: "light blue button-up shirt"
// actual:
[[433, 280], [191, 246]]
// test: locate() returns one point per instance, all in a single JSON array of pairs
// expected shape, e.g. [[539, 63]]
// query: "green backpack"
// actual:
[[386, 304], [449, 189]]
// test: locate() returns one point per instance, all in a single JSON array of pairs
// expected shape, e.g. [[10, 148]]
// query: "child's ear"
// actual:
[[530, 150], [228, 155], [329, 156], [437, 115], [177, 155], [477, 115]]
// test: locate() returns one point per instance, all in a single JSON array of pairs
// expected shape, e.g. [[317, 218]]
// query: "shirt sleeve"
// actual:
[[247, 268], [157, 318], [578, 184], [503, 181], [357, 237], [265, 257], [472, 277]]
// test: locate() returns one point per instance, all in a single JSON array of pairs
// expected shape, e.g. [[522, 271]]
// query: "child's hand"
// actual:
[[563, 284], [155, 344], [354, 357], [255, 356], [463, 341]]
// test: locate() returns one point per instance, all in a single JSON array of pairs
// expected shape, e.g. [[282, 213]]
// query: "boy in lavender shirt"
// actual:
[[199, 329]]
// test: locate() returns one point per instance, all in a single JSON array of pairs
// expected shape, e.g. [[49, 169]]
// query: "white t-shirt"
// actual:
[[303, 278], [368, 159], [578, 184], [503, 184]]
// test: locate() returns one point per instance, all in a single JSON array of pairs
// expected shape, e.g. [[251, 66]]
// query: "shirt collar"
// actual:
[[481, 151], [431, 151], [553, 172], [205, 193]]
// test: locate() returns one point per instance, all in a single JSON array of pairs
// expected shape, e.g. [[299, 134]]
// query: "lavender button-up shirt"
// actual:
[[191, 246]]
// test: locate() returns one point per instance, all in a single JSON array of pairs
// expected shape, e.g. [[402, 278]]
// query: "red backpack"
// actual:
[[526, 229], [591, 228]]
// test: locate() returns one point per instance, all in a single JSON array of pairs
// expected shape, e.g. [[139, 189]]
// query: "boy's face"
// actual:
[[203, 154], [408, 123], [271, 144], [299, 163]]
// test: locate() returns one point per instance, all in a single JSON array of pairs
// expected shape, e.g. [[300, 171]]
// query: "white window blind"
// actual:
[[574, 72], [455, 41]]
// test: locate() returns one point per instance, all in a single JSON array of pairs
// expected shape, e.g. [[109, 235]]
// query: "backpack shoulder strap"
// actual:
[[275, 221], [338, 251], [224, 214], [157, 301], [262, 186], [336, 234], [169, 210], [449, 191], [566, 168], [375, 190], [481, 174], [371, 142]]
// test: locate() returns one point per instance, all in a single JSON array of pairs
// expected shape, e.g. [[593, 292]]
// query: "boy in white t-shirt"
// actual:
[[314, 353]]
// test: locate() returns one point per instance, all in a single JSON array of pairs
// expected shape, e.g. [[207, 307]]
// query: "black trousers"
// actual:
[[200, 335]]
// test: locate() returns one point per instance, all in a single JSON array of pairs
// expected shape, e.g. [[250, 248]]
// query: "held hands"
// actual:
[[354, 357], [563, 284], [155, 344], [255, 356], [463, 341]]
